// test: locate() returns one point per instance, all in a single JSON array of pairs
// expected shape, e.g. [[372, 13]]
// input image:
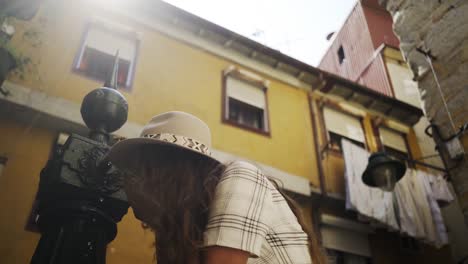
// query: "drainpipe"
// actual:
[[318, 154]]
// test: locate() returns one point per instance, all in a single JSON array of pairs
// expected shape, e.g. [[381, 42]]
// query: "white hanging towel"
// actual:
[[440, 229], [440, 189], [410, 220], [369, 202], [415, 213]]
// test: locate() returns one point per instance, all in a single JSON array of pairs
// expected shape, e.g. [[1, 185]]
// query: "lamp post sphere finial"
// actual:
[[104, 109]]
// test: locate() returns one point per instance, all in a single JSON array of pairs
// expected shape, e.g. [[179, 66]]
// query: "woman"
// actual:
[[203, 211]]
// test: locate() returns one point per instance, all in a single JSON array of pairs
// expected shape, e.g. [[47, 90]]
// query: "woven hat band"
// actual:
[[182, 141]]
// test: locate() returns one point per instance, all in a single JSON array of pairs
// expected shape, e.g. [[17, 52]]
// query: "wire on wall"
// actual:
[[429, 60]]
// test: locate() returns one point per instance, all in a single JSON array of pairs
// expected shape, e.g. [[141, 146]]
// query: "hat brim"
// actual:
[[123, 153]]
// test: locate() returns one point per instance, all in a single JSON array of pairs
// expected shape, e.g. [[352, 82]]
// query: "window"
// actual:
[[245, 102], [339, 257], [335, 141], [100, 44], [341, 55], [345, 240], [394, 142], [340, 125], [246, 114]]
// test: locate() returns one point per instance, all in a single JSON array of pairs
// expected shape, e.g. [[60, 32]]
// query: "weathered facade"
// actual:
[[356, 52], [366, 50], [372, 56], [434, 37], [172, 60]]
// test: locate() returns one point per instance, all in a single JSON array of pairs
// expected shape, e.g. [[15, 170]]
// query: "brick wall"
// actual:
[[440, 28]]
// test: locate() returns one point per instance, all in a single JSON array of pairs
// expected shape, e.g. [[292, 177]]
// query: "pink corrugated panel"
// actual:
[[355, 39]]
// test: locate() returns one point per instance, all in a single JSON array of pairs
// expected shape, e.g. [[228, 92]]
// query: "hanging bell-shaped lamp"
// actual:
[[383, 171]]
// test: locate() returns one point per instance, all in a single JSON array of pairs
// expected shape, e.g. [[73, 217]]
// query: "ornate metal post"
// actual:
[[80, 194]]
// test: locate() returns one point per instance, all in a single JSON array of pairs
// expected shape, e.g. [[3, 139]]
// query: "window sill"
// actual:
[[81, 73], [251, 129]]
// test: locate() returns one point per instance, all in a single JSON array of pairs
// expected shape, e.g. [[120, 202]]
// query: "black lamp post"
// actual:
[[80, 194], [383, 171]]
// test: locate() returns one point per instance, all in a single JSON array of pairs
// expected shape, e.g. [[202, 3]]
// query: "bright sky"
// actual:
[[295, 27]]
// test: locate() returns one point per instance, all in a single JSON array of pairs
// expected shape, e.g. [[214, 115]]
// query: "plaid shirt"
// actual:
[[248, 213]]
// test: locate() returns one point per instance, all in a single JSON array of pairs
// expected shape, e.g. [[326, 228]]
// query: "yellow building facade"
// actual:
[[176, 65]]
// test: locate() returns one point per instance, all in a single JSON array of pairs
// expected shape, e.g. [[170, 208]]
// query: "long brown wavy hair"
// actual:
[[172, 190]]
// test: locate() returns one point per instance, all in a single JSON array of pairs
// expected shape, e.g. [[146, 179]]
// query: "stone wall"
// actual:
[[439, 28]]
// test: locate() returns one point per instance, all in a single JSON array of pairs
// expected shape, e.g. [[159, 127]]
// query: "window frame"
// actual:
[[116, 31], [235, 73], [382, 147], [325, 134], [338, 150]]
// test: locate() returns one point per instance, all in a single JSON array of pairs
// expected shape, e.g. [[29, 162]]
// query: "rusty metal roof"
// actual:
[[370, 99]]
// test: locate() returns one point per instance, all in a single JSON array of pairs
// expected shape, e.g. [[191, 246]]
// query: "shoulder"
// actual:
[[241, 177], [242, 165], [243, 171], [238, 217]]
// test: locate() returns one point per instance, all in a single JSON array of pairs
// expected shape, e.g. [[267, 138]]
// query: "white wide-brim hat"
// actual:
[[178, 129]]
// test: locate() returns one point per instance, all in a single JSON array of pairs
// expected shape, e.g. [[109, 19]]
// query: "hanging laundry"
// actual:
[[440, 189], [415, 213], [410, 221], [441, 230], [419, 213], [370, 202], [412, 208]]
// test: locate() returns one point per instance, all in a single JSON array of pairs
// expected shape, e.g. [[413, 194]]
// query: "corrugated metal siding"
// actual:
[[375, 76], [380, 26], [359, 49]]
